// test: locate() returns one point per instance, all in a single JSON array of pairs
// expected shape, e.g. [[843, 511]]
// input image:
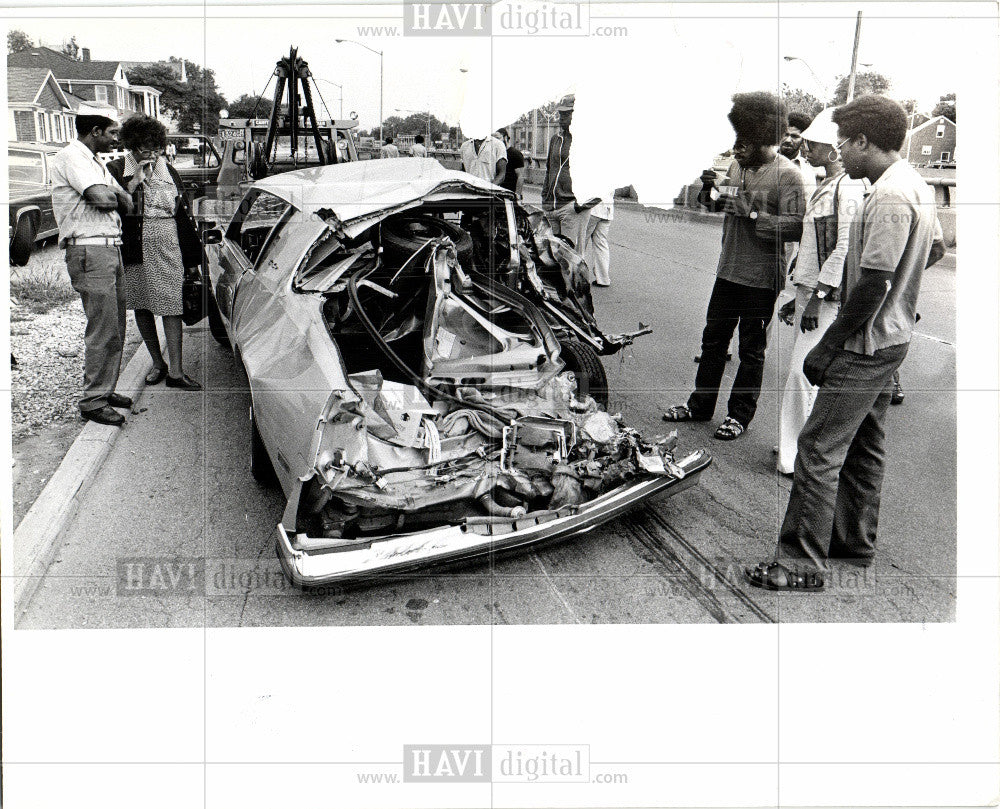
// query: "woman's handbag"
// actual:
[[194, 297]]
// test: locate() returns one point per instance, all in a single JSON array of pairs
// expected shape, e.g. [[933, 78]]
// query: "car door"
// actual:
[[48, 224], [197, 162], [242, 244]]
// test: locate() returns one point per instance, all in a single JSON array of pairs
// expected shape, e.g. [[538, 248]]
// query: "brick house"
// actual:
[[930, 141], [95, 82], [38, 110]]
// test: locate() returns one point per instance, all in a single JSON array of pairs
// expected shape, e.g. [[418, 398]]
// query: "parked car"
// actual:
[[30, 217], [197, 161], [414, 406], [941, 164]]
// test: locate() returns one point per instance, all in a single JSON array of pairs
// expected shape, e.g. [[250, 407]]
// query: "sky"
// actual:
[[667, 67]]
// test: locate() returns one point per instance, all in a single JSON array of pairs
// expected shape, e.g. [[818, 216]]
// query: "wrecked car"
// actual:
[[419, 373]]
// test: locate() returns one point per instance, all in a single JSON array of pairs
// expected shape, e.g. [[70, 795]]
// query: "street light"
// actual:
[[381, 77], [338, 86], [823, 87]]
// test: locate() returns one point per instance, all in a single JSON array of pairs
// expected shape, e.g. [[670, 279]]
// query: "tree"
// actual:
[[18, 41], [946, 107], [71, 48], [865, 84], [251, 106], [194, 104], [800, 101], [910, 105]]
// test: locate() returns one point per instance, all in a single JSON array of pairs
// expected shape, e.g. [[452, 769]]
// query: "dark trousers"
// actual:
[[837, 489], [751, 308], [97, 274]]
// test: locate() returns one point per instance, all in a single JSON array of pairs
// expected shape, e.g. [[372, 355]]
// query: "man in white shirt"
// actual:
[[389, 149], [87, 203], [791, 147], [485, 159], [418, 149]]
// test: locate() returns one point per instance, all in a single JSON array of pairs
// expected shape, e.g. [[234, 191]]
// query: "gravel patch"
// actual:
[[47, 381]]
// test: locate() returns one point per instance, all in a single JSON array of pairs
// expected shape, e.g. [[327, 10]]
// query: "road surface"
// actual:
[[175, 488]]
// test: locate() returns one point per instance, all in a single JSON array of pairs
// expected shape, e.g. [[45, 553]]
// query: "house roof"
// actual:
[[25, 83], [62, 66], [935, 120]]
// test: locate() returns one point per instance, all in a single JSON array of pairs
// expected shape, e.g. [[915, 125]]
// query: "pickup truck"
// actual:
[[30, 217]]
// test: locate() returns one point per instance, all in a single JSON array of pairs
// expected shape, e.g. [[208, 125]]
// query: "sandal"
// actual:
[[729, 429], [775, 576], [680, 413], [156, 376]]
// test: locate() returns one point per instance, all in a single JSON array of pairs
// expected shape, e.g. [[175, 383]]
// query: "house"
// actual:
[[930, 141], [92, 81], [38, 111]]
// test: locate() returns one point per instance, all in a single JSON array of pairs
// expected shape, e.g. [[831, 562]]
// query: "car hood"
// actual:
[[355, 194]]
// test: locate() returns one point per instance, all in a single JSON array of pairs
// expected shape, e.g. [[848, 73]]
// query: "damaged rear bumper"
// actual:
[[374, 559]]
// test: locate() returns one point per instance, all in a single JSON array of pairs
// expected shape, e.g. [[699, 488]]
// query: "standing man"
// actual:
[[87, 203], [485, 158], [389, 149], [791, 147], [567, 216], [764, 202], [418, 149], [513, 178], [834, 504], [597, 238]]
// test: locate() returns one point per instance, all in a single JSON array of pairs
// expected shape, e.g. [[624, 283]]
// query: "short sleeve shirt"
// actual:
[[74, 169], [894, 233], [418, 150], [389, 150], [746, 257], [515, 161], [483, 163]]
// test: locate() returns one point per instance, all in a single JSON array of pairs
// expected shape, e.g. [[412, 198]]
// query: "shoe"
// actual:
[[730, 429], [117, 400], [157, 375], [104, 415], [897, 394], [184, 383]]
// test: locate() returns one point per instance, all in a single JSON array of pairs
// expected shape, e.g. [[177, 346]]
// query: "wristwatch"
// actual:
[[820, 294]]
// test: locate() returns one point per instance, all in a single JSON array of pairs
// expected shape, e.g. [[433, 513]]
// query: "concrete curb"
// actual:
[[36, 538]]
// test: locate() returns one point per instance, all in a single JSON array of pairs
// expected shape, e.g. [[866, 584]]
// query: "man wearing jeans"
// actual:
[[86, 202], [834, 505], [764, 203]]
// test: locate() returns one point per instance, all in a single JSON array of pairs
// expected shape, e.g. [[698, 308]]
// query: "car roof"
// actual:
[[40, 147], [363, 189]]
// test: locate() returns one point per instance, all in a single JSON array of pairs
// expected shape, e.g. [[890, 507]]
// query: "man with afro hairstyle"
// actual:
[[833, 508], [791, 147], [763, 199]]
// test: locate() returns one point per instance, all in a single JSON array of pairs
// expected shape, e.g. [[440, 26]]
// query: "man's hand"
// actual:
[[786, 314], [816, 363], [810, 315], [586, 206], [708, 177]]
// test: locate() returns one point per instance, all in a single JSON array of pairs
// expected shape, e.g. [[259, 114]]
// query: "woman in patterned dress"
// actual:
[[151, 247]]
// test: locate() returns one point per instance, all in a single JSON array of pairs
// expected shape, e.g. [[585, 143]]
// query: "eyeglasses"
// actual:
[[840, 145]]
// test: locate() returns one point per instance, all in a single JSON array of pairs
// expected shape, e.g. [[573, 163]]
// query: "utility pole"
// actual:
[[854, 60]]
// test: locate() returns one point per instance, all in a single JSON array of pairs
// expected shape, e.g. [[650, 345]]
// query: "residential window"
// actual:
[[940, 130], [24, 126], [101, 93], [58, 127], [946, 156], [43, 132]]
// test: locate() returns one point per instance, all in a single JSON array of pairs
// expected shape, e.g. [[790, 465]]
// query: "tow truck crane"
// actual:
[[293, 137]]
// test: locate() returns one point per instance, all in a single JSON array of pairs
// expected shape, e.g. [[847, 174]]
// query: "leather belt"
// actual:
[[94, 241]]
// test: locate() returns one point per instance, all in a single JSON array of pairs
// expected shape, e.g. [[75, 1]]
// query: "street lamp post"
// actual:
[[821, 85], [381, 79], [854, 60], [339, 87]]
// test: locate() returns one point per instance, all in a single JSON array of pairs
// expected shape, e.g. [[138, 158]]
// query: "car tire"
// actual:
[[591, 378], [23, 241], [403, 235], [215, 324], [261, 468]]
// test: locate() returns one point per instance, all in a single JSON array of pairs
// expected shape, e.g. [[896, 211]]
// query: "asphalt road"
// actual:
[[175, 488]]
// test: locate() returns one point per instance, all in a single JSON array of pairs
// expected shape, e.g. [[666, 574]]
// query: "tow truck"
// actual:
[[249, 149]]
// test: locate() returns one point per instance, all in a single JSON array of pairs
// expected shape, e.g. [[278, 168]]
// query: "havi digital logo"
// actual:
[[442, 19], [437, 763]]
